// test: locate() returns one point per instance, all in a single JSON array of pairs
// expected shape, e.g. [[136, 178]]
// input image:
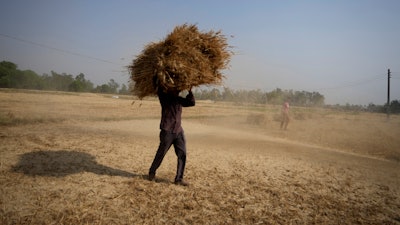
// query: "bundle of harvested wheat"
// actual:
[[186, 58]]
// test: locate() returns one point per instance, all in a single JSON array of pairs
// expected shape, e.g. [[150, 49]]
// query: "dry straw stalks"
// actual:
[[186, 58]]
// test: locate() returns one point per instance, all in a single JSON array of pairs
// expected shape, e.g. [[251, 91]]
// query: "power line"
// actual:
[[58, 49]]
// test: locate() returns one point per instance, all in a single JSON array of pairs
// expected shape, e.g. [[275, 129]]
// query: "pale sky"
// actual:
[[341, 49]]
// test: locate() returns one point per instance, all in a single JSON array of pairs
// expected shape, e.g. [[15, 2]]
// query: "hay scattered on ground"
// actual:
[[185, 59], [90, 166]]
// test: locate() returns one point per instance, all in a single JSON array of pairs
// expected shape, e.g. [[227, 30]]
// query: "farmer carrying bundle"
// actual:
[[185, 58]]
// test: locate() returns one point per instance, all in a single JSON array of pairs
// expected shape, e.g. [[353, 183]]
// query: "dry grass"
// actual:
[[186, 58], [87, 165]]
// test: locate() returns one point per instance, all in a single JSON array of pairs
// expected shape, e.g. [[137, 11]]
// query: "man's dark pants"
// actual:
[[166, 140]]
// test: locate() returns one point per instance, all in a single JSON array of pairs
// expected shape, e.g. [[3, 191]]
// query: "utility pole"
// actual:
[[388, 96]]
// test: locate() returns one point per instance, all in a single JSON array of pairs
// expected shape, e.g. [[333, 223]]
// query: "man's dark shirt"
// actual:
[[171, 110]]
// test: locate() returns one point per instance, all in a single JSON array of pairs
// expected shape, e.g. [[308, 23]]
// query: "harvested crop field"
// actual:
[[69, 158]]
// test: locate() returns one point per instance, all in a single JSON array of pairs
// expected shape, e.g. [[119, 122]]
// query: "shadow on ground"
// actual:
[[61, 163]]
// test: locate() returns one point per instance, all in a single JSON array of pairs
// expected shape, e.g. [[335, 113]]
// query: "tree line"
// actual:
[[277, 96], [12, 77], [295, 98], [394, 107]]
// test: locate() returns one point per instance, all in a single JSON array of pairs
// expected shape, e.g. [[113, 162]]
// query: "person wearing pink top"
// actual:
[[285, 115]]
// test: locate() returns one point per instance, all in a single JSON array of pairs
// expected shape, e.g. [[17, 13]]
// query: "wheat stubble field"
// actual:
[[83, 159]]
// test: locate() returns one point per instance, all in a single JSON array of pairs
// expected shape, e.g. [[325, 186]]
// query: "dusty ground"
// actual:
[[82, 159]]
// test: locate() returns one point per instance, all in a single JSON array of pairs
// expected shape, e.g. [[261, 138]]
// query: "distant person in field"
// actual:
[[171, 132], [285, 115]]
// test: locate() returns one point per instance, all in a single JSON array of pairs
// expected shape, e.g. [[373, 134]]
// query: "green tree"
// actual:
[[394, 106], [11, 77], [228, 94], [317, 99], [59, 82], [80, 84], [105, 89], [275, 97], [28, 79], [124, 90], [113, 86], [7, 71]]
